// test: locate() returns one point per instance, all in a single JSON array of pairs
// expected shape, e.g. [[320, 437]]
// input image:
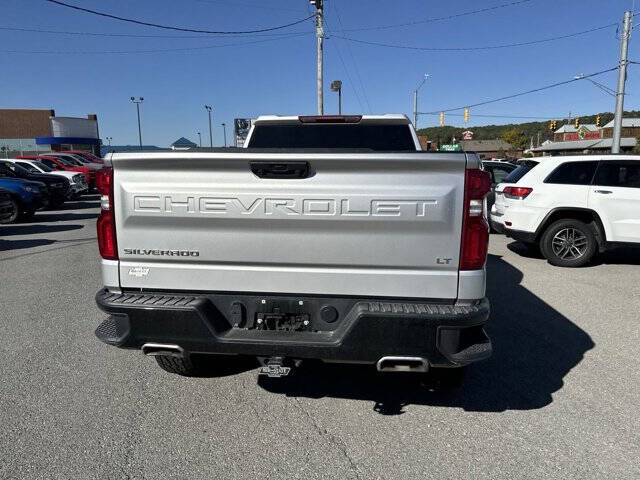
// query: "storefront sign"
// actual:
[[451, 148]]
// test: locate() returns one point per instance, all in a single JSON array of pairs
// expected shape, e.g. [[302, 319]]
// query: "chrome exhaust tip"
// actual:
[[167, 349], [403, 364]]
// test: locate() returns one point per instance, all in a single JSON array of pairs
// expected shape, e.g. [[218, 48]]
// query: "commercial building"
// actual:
[[27, 131], [589, 139], [487, 149]]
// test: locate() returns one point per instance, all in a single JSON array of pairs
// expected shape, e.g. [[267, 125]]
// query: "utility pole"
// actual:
[[200, 139], [224, 130], [320, 35], [622, 78], [208, 109], [415, 102], [138, 102]]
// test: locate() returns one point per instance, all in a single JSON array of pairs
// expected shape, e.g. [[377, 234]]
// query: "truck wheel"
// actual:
[[15, 211], [180, 366], [568, 243]]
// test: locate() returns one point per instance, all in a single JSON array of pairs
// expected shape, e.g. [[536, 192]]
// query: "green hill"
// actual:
[[529, 129]]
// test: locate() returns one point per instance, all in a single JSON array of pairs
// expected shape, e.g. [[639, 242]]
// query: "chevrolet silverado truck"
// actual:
[[332, 238]]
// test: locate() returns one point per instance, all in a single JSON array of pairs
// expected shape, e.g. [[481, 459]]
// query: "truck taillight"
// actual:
[[106, 221], [517, 193], [475, 230]]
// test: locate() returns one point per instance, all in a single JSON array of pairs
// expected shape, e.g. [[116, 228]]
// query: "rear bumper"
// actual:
[[521, 235], [365, 330]]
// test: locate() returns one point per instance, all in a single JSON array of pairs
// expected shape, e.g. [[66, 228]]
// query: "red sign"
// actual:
[[581, 136], [467, 135]]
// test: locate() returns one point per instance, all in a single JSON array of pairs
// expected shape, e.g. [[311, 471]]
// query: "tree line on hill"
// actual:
[[517, 134]]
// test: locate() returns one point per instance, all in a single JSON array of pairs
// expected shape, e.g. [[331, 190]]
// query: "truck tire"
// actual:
[[568, 243], [15, 212], [180, 366]]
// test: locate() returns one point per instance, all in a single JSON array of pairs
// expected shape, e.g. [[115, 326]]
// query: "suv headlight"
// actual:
[[28, 188]]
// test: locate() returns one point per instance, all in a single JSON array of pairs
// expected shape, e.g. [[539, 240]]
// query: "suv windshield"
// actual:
[[43, 167], [521, 170], [370, 136]]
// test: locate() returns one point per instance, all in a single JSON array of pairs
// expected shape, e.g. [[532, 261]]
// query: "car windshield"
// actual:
[[79, 159], [64, 161], [6, 172], [73, 161], [43, 167], [521, 170], [17, 169]]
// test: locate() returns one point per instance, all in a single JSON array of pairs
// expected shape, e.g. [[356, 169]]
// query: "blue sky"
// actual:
[[278, 75]]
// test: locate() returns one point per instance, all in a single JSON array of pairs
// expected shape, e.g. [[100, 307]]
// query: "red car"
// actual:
[[86, 155], [61, 164], [77, 162]]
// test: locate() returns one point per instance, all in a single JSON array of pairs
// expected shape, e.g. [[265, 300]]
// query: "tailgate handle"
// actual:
[[280, 169]]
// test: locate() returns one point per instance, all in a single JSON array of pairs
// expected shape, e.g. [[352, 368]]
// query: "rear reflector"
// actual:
[[106, 221], [517, 192], [475, 230], [330, 119]]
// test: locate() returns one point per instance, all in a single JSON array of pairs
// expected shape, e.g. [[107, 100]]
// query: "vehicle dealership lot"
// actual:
[[558, 399]]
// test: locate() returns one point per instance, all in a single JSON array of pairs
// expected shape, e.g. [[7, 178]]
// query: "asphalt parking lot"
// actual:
[[558, 399]]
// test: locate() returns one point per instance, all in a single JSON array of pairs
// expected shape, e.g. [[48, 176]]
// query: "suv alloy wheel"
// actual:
[[568, 243]]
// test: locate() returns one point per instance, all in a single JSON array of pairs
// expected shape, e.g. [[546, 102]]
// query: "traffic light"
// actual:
[[441, 118], [597, 120], [466, 115], [577, 122], [553, 125]]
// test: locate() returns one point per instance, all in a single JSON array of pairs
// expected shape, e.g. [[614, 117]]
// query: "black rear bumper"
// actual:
[[365, 330]]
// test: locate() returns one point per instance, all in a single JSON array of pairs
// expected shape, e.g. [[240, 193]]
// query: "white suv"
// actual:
[[572, 207]]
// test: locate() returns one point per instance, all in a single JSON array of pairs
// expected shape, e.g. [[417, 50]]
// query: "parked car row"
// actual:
[[33, 182], [570, 207]]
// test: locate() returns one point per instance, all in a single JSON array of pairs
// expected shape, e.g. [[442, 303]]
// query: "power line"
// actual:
[[250, 5], [167, 27], [438, 19], [351, 82], [133, 35], [507, 97], [159, 50], [353, 60], [490, 47], [496, 115]]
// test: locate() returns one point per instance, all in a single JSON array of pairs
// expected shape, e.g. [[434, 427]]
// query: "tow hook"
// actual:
[[277, 367]]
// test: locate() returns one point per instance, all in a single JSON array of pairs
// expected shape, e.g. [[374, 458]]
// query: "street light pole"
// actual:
[[622, 77], [224, 130], [138, 102], [415, 101], [208, 108], [200, 139]]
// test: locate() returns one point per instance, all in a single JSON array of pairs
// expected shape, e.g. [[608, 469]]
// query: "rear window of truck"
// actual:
[[379, 138]]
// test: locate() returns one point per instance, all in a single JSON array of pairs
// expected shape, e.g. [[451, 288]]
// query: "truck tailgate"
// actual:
[[364, 224]]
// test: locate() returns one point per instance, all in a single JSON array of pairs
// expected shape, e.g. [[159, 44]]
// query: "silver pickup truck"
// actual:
[[332, 238]]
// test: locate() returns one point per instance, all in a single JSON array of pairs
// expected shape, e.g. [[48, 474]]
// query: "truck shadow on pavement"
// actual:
[[534, 348]]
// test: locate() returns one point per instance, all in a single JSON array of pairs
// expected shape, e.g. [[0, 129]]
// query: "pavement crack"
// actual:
[[330, 437]]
